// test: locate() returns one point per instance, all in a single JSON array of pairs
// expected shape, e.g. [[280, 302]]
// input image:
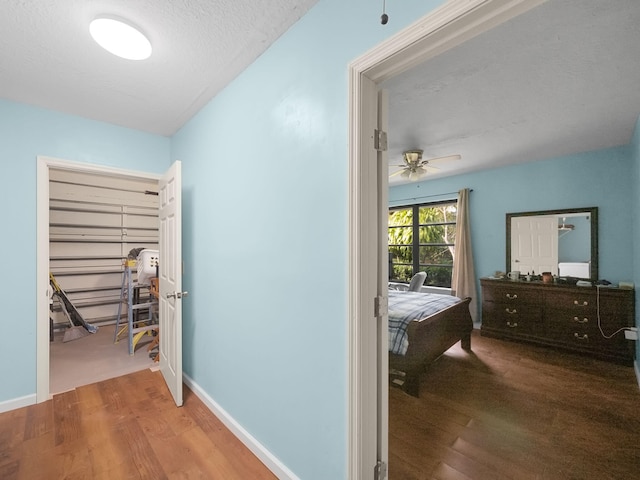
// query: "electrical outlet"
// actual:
[[631, 334]]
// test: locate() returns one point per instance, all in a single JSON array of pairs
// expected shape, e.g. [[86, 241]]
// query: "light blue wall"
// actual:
[[25, 133], [265, 185], [265, 335], [575, 245], [265, 228], [635, 208], [599, 178]]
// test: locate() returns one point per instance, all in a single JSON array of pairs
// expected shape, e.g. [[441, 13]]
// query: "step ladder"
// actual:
[[138, 324]]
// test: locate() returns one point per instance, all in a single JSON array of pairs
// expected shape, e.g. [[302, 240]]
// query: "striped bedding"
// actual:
[[407, 306]]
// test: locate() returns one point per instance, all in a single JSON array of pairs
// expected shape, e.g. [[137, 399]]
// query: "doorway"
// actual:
[[68, 209], [95, 221], [452, 24]]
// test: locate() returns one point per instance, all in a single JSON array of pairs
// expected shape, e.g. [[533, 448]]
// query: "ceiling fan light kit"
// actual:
[[414, 169], [411, 175]]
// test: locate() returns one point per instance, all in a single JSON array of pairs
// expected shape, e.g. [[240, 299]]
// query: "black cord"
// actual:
[[384, 18]]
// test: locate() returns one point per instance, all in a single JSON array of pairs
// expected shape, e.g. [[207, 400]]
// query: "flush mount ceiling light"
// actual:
[[120, 38]]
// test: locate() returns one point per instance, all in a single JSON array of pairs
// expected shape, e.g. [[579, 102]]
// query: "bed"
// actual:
[[422, 326]]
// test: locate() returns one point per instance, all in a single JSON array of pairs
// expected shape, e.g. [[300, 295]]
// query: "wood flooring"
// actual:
[[506, 411], [124, 428], [516, 411]]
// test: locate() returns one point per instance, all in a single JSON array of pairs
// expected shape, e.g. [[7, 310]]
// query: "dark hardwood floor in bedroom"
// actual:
[[516, 411]]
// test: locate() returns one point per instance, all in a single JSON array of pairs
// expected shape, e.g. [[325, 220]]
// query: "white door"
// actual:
[[170, 200], [534, 244]]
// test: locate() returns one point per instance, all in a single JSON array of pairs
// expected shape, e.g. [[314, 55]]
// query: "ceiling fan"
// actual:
[[415, 167]]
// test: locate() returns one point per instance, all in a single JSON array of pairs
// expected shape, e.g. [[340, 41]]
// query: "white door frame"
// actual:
[[44, 164], [452, 24]]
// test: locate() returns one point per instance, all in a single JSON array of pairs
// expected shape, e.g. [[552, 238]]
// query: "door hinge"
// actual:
[[380, 140], [380, 306], [380, 471]]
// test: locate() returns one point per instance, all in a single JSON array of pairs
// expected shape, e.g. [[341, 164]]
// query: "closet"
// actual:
[[94, 221]]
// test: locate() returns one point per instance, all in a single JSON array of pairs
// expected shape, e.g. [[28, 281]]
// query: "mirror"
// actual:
[[563, 242]]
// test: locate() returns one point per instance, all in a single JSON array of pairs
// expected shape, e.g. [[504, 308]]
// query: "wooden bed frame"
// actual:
[[428, 339]]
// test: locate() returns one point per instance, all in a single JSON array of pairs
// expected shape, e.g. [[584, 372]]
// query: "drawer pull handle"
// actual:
[[511, 312], [512, 325], [580, 304], [512, 297], [581, 337], [584, 320]]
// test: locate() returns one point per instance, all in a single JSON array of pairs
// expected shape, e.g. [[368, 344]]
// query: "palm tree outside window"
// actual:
[[422, 239]]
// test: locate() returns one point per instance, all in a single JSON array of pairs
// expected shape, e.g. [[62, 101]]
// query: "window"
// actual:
[[422, 238]]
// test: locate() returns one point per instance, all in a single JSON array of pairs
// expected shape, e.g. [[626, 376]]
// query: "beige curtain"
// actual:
[[463, 282]]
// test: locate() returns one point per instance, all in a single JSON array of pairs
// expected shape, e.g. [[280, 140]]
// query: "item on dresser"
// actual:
[[574, 269], [422, 326], [565, 316]]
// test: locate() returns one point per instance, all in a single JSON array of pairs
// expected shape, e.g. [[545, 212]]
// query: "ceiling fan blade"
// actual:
[[446, 158], [397, 173]]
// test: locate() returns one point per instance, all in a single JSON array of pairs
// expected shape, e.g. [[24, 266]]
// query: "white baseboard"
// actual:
[[636, 367], [259, 450], [17, 403]]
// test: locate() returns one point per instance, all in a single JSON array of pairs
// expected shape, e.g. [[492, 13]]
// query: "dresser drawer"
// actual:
[[512, 319], [511, 294], [613, 302], [585, 334], [577, 302]]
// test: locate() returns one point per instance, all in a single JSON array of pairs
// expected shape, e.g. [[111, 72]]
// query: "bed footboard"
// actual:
[[428, 339]]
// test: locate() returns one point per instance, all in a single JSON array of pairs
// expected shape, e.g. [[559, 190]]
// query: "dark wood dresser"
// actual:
[[564, 316]]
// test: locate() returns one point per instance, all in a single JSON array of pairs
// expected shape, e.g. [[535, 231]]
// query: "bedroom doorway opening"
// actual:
[[452, 24]]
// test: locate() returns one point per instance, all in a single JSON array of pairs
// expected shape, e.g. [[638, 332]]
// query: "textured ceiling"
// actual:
[[560, 79], [199, 46]]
